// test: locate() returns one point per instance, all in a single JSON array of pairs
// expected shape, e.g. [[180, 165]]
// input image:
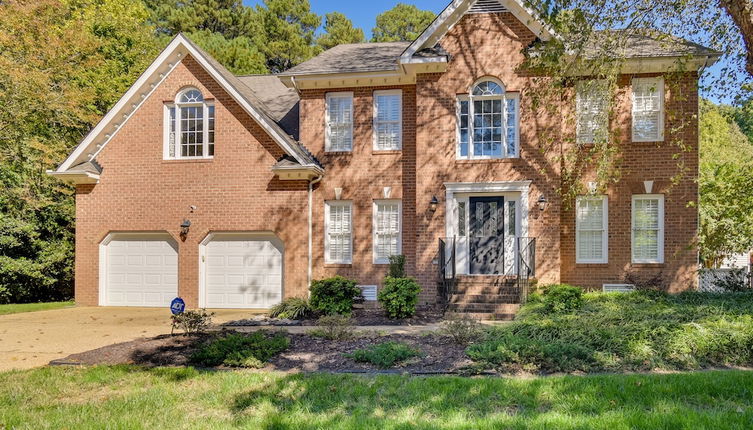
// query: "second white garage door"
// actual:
[[242, 271]]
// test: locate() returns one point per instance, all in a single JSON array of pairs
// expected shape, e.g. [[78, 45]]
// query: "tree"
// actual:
[[402, 22], [726, 187], [741, 12], [339, 29], [62, 65], [239, 54], [288, 28], [227, 17]]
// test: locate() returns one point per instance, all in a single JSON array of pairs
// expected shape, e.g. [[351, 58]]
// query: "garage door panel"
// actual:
[[242, 273], [141, 271]]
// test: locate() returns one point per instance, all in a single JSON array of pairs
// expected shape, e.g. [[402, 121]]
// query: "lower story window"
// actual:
[[591, 229], [648, 228], [387, 222], [338, 238]]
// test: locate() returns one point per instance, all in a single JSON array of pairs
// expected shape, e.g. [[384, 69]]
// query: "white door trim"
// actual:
[[251, 235]]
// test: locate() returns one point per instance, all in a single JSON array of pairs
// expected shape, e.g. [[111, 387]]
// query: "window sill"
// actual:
[[187, 160], [592, 264], [386, 151], [485, 160], [337, 265]]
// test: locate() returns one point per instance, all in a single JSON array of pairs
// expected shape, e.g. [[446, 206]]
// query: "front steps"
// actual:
[[494, 298]]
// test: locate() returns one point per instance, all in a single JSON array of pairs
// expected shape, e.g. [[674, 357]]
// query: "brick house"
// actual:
[[236, 191]]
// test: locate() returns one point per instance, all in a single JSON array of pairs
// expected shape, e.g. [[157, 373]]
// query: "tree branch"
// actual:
[[741, 12]]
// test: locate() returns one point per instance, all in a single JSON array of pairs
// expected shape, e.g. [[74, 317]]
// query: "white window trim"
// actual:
[[659, 83], [660, 234], [374, 229], [605, 232], [328, 97], [504, 97], [579, 88], [398, 93], [327, 205], [166, 128]]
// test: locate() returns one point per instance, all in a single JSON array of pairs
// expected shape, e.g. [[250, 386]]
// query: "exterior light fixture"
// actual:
[[433, 203], [184, 226], [543, 203]]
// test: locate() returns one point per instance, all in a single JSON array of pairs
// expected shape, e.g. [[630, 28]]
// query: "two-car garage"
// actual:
[[236, 270]]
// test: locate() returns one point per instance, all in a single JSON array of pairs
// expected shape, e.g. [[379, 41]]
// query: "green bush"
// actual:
[[294, 308], [462, 329], [735, 280], [399, 297], [642, 330], [385, 354], [334, 295], [333, 327], [397, 266], [191, 322], [241, 350], [562, 298]]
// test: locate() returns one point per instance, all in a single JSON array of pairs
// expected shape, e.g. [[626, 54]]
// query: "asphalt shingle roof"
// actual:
[[642, 43], [353, 57]]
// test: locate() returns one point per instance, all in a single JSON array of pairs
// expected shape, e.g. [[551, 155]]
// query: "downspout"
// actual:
[[311, 229]]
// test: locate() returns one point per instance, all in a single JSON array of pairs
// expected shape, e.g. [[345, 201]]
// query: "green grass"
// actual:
[[385, 354], [633, 331], [133, 398], [32, 307]]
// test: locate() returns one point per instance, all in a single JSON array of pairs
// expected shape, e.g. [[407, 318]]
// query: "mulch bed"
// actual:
[[306, 353], [360, 317]]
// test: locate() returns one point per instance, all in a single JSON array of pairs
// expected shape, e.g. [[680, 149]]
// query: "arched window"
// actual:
[[488, 122], [190, 126]]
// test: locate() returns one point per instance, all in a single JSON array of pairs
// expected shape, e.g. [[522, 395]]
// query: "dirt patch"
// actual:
[[306, 353], [360, 317]]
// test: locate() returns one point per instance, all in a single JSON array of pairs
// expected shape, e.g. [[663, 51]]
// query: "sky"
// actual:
[[363, 14]]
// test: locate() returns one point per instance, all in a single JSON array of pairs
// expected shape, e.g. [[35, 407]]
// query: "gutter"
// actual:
[[311, 229]]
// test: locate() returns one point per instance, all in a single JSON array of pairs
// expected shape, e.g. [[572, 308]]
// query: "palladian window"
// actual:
[[189, 126], [488, 122]]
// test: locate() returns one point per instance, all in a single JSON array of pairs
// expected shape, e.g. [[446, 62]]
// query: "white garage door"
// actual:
[[243, 271], [141, 270]]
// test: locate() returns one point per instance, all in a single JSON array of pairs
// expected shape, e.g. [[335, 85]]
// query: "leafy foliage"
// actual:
[[334, 295], [192, 321], [399, 297], [397, 266], [385, 354], [735, 281], [333, 327], [294, 308], [288, 27], [338, 29], [562, 298], [241, 350], [462, 329], [402, 22], [641, 330]]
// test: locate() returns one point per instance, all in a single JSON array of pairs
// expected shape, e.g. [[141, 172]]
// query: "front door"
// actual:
[[486, 239]]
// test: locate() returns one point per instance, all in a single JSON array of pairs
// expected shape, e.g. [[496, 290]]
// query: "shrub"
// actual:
[[333, 327], [191, 322], [735, 280], [399, 297], [462, 329], [562, 298], [385, 354], [397, 266], [334, 295], [241, 350], [294, 308]]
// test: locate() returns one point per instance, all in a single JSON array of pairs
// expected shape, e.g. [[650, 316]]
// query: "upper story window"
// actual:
[[189, 128], [592, 111], [488, 122], [648, 109], [339, 122], [388, 115]]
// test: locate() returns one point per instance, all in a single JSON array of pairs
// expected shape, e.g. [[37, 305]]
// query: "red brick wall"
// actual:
[[235, 191]]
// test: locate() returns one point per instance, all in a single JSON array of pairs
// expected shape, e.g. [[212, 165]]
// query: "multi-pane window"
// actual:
[[488, 121], [648, 109], [339, 232], [648, 228], [189, 126], [591, 224], [386, 230], [388, 119], [592, 111], [339, 122]]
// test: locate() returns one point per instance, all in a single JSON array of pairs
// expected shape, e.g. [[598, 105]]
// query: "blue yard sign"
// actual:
[[177, 306]]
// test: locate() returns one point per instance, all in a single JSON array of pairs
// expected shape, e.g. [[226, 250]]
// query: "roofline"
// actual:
[[75, 177], [179, 41]]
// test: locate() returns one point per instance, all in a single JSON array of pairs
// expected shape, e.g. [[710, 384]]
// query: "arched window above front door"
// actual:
[[488, 121], [189, 126]]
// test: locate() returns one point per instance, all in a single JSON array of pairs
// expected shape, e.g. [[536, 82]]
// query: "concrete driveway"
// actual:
[[32, 339]]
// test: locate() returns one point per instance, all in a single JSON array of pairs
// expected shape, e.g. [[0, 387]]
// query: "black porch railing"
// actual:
[[447, 269], [526, 263]]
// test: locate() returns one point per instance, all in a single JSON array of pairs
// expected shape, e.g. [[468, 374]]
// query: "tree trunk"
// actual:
[[741, 12]]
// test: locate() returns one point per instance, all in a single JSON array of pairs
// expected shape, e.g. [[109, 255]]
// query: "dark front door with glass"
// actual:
[[487, 241]]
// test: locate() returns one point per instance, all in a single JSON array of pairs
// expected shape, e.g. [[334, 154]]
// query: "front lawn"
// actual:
[[133, 398], [643, 330], [32, 307]]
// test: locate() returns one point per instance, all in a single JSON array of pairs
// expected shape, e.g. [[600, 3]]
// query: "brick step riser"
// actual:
[[485, 290], [500, 308], [482, 282], [485, 316], [485, 298]]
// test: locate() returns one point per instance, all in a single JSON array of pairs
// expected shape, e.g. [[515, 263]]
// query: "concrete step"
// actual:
[[485, 289], [492, 308], [484, 316], [484, 298], [492, 280]]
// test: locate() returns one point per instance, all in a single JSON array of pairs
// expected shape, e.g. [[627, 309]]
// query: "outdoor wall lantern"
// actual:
[[184, 226], [543, 203], [433, 203]]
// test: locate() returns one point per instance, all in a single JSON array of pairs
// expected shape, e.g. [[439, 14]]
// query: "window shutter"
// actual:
[[648, 109], [339, 232]]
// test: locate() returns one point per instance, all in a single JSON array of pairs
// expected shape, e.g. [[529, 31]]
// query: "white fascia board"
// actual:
[[75, 177]]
